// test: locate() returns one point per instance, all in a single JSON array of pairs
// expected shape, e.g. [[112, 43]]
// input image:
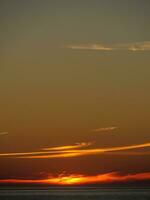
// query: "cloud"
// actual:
[[3, 133], [138, 46], [77, 151], [98, 47], [48, 150], [92, 151], [76, 146], [80, 179], [135, 46], [111, 128]]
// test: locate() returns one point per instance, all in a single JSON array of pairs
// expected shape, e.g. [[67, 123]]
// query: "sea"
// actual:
[[76, 194]]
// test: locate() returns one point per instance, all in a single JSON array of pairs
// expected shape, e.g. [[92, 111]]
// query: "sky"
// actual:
[[74, 90]]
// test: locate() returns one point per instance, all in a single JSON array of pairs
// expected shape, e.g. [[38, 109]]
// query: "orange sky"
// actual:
[[74, 90]]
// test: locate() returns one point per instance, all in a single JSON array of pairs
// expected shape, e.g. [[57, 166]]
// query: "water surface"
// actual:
[[75, 194]]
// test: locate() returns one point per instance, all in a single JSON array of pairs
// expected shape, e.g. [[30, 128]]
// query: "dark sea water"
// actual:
[[75, 194]]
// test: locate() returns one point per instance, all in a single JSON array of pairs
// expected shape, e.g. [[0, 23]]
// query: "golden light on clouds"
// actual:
[[76, 151], [79, 179], [76, 146]]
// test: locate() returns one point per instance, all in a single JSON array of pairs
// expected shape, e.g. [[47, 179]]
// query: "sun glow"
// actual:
[[79, 179], [66, 180]]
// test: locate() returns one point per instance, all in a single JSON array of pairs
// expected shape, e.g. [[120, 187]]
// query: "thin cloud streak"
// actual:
[[79, 179], [3, 133], [135, 46], [66, 153], [88, 152], [48, 150], [76, 146], [104, 129], [97, 47], [138, 46]]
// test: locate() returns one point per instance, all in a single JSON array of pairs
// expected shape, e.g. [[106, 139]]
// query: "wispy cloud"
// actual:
[[76, 146], [98, 47], [3, 133], [105, 129], [80, 179], [91, 151], [135, 46], [69, 151], [48, 150]]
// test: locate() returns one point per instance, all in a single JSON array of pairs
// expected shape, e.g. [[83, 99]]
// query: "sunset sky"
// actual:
[[74, 90]]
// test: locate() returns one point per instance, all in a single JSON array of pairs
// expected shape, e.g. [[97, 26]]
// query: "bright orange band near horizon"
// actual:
[[78, 179]]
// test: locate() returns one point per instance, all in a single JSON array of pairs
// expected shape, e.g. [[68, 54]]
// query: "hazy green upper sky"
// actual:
[[56, 87]]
